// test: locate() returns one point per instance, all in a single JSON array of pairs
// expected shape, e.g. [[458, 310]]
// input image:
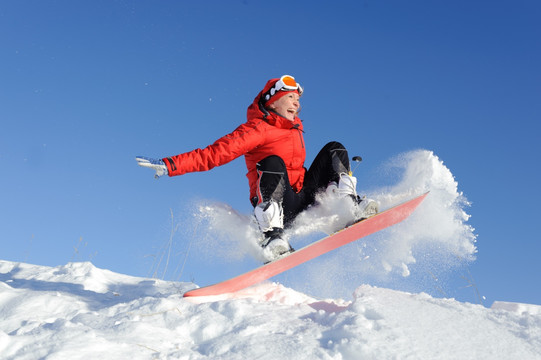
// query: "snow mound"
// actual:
[[78, 311], [517, 308]]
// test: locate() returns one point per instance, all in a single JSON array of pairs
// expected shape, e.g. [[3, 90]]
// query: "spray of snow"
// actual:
[[227, 233], [438, 229], [434, 240]]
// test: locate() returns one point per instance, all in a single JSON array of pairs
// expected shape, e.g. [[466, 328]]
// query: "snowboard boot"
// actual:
[[269, 216], [275, 245], [366, 207], [346, 187]]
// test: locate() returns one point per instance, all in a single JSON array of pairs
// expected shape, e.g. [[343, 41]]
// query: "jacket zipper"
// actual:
[[296, 127]]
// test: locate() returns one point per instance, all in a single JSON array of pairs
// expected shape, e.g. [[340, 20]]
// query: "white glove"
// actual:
[[155, 164]]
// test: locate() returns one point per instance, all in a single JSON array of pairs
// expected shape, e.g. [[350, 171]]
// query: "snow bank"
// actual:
[[77, 311], [517, 308]]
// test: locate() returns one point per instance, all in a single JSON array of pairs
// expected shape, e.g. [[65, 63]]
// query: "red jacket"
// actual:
[[264, 134]]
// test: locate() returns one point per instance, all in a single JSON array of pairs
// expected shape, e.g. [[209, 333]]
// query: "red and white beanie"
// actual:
[[271, 92]]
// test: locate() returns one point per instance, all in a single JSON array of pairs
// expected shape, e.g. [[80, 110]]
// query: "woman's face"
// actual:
[[287, 106]]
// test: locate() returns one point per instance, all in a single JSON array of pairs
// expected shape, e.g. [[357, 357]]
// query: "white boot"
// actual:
[[270, 217], [346, 186], [276, 248]]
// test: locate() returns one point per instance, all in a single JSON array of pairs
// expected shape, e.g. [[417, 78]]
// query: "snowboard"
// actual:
[[340, 238]]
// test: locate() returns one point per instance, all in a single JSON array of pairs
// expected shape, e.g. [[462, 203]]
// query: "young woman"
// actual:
[[273, 146]]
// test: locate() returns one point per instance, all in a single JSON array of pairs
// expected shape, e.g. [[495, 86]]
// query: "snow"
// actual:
[[78, 311], [517, 307], [334, 307]]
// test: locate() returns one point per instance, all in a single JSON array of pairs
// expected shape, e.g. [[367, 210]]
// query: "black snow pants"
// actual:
[[274, 183]]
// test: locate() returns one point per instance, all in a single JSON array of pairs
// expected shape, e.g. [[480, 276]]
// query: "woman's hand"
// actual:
[[155, 164]]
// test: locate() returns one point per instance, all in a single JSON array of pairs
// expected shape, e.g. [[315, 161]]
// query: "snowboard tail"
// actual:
[[340, 238]]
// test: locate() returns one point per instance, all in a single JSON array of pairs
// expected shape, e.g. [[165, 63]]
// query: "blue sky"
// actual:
[[86, 86]]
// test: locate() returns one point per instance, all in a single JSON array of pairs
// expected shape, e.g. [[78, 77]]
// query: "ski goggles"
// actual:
[[285, 83]]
